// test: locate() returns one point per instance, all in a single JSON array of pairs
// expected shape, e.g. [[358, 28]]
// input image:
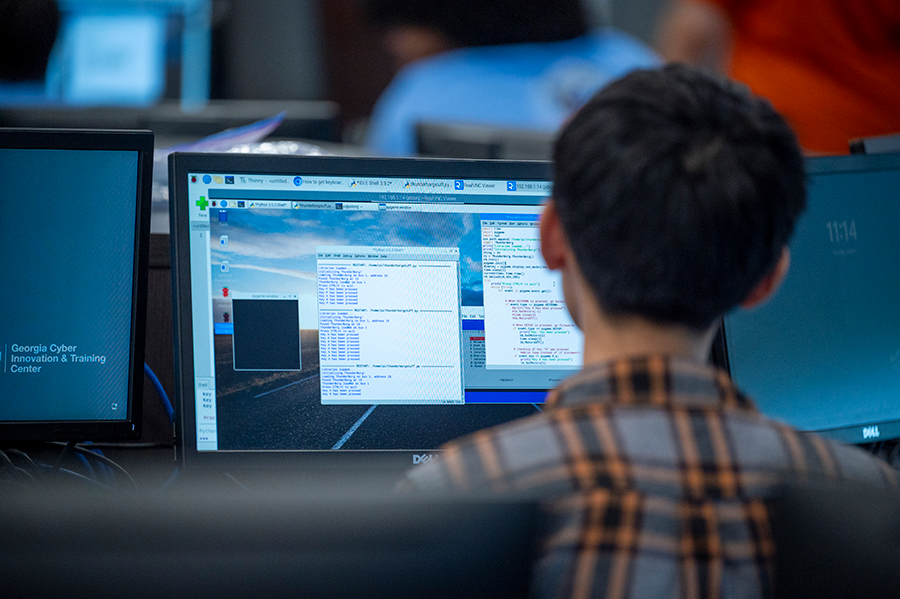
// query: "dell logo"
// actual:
[[421, 459], [871, 432]]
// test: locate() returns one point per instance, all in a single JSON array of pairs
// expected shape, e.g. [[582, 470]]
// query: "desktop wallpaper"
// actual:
[[275, 251]]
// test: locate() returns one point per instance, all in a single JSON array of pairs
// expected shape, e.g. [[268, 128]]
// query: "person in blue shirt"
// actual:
[[522, 64]]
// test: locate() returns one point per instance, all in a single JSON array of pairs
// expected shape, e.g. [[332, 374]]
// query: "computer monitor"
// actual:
[[127, 52], [358, 312], [194, 544], [74, 238], [457, 140], [881, 144], [824, 353]]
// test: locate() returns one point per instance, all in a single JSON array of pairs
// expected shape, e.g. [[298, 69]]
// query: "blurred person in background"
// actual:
[[526, 64], [831, 67], [28, 30]]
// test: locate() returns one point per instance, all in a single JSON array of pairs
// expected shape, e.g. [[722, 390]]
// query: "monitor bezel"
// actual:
[[818, 165], [141, 142], [180, 165]]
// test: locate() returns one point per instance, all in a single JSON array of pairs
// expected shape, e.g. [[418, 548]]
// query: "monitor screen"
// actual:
[[89, 40], [347, 310], [824, 353], [74, 237], [124, 53]]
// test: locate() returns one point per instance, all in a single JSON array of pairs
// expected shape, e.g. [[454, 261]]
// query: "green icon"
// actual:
[[202, 203]]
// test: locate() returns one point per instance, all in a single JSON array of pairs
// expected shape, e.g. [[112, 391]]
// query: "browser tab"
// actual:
[[481, 186], [428, 184], [542, 186], [269, 204]]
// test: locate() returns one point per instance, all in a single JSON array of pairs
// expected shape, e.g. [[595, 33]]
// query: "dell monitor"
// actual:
[[358, 312], [824, 353]]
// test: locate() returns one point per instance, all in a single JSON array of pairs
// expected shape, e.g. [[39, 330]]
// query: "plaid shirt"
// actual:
[[655, 472]]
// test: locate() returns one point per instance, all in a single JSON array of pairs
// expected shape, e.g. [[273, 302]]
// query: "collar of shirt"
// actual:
[[661, 381]]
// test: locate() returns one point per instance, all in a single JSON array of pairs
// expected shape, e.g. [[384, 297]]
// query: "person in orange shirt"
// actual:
[[831, 67]]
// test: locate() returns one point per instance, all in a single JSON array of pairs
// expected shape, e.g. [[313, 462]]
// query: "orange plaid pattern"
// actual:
[[655, 473]]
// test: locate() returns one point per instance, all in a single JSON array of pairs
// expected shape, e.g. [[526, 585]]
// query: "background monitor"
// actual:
[[358, 312], [74, 239], [127, 52], [881, 144], [172, 124], [824, 353], [455, 140]]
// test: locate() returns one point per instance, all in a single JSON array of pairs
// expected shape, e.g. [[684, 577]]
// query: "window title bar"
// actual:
[[393, 185]]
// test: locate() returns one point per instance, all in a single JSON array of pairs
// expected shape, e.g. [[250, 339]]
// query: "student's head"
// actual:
[[429, 26], [28, 31], [677, 192]]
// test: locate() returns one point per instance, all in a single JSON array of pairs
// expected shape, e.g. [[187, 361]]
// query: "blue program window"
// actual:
[[131, 52]]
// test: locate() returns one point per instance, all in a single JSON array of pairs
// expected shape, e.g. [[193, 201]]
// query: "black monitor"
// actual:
[[195, 544], [172, 124], [358, 312], [836, 540], [881, 144], [459, 140], [115, 53], [824, 353], [74, 237]]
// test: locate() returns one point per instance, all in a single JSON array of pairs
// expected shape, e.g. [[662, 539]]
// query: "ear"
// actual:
[[554, 244], [769, 283]]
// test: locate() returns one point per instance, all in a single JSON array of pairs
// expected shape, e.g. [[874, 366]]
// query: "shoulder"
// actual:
[[856, 465], [729, 6], [498, 459], [609, 49], [427, 88], [624, 48], [761, 443], [390, 126]]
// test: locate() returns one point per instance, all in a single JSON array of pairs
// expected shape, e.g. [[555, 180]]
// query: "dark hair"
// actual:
[[486, 22], [28, 31], [677, 190]]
